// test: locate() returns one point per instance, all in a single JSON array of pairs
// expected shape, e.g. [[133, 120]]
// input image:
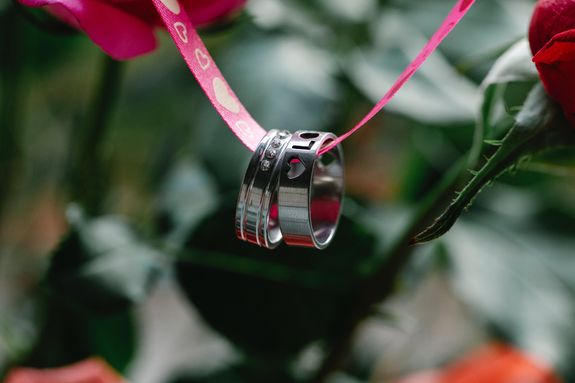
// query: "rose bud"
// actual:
[[125, 28], [552, 40]]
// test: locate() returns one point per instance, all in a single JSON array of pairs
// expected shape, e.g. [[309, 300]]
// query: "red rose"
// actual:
[[552, 39]]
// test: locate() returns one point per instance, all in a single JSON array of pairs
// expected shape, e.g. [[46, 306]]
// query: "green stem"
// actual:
[[88, 181], [11, 79], [380, 284]]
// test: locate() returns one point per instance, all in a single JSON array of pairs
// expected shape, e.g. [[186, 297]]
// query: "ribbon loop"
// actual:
[[226, 102]]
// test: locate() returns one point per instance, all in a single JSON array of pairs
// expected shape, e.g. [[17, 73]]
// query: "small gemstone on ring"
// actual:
[[276, 143], [271, 153], [283, 134], [265, 165]]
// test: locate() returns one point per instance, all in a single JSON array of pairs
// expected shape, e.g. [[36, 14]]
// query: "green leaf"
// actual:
[[437, 93], [514, 65], [271, 304], [540, 126], [504, 90], [103, 265], [489, 27], [113, 337], [187, 193], [560, 162], [520, 282], [99, 271], [68, 335]]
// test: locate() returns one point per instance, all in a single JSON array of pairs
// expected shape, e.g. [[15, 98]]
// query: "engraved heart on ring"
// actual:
[[296, 168], [224, 97]]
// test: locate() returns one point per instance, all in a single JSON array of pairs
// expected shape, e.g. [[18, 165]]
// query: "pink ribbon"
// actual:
[[229, 106], [207, 73]]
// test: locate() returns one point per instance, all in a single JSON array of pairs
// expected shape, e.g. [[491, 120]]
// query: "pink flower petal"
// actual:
[[119, 33], [202, 12]]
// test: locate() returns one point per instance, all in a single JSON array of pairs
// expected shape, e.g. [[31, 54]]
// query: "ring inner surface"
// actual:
[[326, 194], [274, 232]]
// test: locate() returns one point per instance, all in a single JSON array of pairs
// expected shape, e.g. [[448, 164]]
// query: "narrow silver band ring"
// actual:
[[310, 190], [256, 209]]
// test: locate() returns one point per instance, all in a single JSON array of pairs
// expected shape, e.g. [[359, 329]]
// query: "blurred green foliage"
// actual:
[[165, 170]]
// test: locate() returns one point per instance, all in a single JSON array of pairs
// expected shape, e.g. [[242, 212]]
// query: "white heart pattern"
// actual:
[[182, 31], [224, 97], [172, 5], [245, 128], [202, 59]]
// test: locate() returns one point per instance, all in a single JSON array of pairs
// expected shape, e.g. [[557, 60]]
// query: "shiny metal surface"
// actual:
[[310, 190], [256, 209]]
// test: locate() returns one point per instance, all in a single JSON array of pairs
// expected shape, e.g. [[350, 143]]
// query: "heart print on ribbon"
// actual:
[[182, 31], [202, 59], [224, 97], [208, 75], [172, 5], [228, 105]]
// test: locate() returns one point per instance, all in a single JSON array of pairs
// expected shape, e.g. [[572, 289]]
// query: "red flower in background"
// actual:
[[495, 363], [88, 371], [125, 28], [552, 39]]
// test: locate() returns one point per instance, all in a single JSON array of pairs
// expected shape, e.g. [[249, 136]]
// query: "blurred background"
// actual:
[[118, 183]]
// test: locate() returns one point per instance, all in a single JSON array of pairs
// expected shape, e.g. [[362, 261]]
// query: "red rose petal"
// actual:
[[552, 40], [556, 65], [550, 18]]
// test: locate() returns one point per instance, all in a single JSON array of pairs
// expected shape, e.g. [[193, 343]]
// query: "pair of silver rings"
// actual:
[[291, 193]]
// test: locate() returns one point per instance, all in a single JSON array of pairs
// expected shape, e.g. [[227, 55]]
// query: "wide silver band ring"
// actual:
[[310, 190], [257, 210]]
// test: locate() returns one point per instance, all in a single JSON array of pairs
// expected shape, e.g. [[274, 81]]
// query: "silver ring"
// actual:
[[256, 210], [310, 190]]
